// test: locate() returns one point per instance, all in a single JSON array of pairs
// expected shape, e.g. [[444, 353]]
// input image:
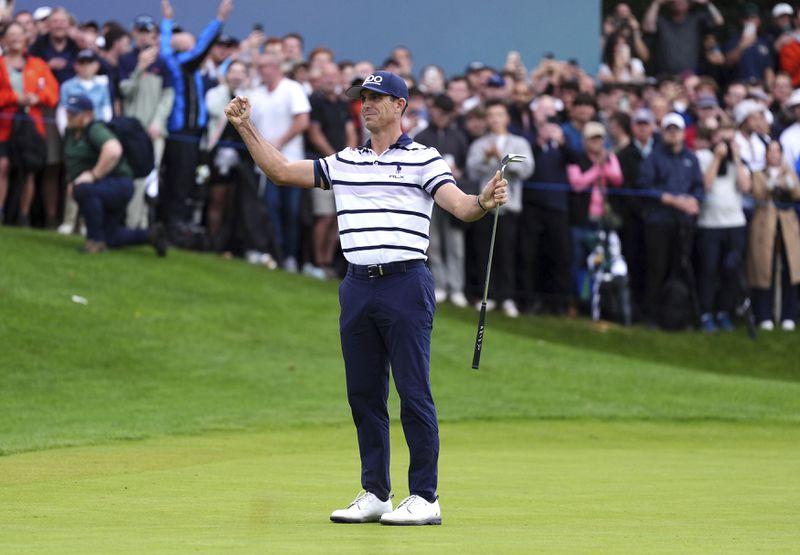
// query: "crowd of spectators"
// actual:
[[669, 170]]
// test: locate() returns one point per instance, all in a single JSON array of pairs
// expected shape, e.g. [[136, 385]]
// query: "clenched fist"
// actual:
[[238, 110]]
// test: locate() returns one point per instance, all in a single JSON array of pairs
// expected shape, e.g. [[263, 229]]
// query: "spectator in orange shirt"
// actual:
[[26, 85]]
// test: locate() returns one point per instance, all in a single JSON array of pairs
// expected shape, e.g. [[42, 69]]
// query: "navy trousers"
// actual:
[[387, 321], [103, 205], [721, 255]]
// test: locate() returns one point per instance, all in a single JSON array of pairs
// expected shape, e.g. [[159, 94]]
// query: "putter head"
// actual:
[[510, 159]]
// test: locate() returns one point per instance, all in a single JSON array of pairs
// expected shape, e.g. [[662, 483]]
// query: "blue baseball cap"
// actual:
[[77, 103], [381, 82]]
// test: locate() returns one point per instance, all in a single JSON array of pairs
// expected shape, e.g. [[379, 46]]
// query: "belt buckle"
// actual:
[[375, 270]]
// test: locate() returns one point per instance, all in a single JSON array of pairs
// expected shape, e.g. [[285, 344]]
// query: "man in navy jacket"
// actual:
[[673, 171]]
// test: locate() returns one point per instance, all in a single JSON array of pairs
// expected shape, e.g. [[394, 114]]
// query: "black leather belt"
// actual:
[[381, 270]]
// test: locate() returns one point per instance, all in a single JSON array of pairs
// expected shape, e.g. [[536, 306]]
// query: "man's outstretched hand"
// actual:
[[238, 110]]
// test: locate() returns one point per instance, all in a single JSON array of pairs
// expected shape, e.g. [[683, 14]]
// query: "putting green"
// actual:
[[506, 487]]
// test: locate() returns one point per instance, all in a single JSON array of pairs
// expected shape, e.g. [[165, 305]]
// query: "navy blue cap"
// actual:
[[79, 103], [381, 82], [496, 81], [144, 23], [87, 54], [226, 40], [475, 66]]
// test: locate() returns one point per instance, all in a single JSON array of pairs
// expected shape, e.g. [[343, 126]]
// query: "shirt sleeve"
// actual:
[[436, 173], [300, 104], [704, 159], [322, 172], [99, 135]]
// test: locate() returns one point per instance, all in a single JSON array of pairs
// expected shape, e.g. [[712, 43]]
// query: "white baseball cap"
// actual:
[[675, 119], [42, 13], [782, 9], [794, 100], [745, 109]]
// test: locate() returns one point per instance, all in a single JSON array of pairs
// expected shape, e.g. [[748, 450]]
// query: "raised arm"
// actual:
[[716, 16], [274, 164], [650, 21]]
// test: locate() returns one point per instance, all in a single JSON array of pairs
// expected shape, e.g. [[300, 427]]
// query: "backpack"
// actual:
[[27, 149], [676, 305], [136, 144]]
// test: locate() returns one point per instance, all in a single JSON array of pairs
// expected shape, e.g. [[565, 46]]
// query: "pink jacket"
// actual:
[[598, 178]]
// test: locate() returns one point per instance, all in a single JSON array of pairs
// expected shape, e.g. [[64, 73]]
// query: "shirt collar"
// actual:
[[402, 142]]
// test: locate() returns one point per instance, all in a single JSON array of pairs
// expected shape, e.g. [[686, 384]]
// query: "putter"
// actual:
[[476, 356]]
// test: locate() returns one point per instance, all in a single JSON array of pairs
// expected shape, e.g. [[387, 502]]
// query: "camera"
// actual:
[[621, 22], [782, 195], [723, 165]]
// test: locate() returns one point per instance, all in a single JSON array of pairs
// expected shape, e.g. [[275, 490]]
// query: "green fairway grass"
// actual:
[[506, 487], [572, 438]]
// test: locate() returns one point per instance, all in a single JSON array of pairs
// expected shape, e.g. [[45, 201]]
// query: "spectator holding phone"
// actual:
[[679, 35], [749, 55], [622, 22], [148, 95], [721, 230], [619, 66], [774, 235]]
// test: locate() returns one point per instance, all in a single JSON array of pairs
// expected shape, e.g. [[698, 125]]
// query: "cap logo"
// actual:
[[377, 79]]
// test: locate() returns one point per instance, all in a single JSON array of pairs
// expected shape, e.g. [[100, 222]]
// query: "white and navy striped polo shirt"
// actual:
[[384, 202]]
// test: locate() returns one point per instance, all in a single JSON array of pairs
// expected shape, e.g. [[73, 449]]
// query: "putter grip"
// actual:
[[476, 356]]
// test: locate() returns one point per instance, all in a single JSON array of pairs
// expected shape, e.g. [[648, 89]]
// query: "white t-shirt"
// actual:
[[722, 205], [752, 150], [272, 113], [633, 73], [790, 142]]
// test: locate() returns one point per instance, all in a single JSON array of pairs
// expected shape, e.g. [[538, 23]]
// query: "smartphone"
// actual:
[[258, 27], [750, 29]]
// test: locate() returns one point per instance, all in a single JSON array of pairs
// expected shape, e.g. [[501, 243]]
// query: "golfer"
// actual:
[[384, 194]]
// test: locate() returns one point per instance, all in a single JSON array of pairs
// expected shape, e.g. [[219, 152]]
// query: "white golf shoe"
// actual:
[[414, 511], [365, 508], [510, 309], [458, 299]]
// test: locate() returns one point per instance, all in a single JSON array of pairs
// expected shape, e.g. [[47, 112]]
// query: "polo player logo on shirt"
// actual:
[[399, 174]]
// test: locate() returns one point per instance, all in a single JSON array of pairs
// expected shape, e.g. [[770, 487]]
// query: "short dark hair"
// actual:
[[444, 103], [476, 112], [492, 102], [623, 120], [4, 29], [297, 36], [584, 99], [113, 35], [570, 85]]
